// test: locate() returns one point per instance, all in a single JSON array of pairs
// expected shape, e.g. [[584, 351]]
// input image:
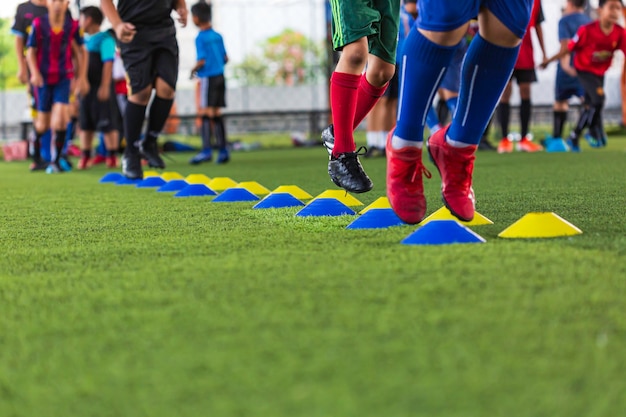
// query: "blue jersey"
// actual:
[[101, 48], [406, 23], [210, 49], [568, 26]]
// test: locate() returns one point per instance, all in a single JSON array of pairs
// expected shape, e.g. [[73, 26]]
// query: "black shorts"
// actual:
[[393, 89], [594, 88], [152, 53], [524, 76], [96, 115], [213, 91]]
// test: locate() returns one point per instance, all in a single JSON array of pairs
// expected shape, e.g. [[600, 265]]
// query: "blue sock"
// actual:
[[452, 103], [432, 121], [101, 149], [486, 70], [46, 143], [423, 65]]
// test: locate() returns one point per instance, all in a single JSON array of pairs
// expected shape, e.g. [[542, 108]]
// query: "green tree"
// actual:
[[8, 60], [289, 58]]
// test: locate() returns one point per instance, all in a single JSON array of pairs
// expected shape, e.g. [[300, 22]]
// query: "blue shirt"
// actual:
[[210, 49], [568, 26], [101, 48]]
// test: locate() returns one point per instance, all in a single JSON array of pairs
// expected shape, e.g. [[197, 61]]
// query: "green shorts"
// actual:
[[376, 19]]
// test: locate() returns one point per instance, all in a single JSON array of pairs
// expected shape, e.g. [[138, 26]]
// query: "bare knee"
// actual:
[[354, 57], [379, 72]]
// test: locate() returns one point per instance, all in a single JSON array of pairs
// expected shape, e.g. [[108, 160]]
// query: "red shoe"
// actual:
[[455, 166], [73, 150], [527, 145], [405, 188], [111, 161], [98, 159], [83, 163]]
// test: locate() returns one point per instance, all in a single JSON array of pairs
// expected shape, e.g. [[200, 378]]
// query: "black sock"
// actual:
[[205, 132], [86, 153], [583, 121], [37, 146], [442, 112], [504, 113], [159, 112], [560, 117], [133, 123], [524, 115], [220, 131], [59, 143], [596, 127]]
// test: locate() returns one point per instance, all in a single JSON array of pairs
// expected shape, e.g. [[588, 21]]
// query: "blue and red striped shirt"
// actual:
[[54, 48]]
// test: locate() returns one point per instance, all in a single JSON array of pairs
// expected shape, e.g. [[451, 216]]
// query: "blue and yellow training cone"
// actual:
[[128, 181], [195, 190], [376, 218], [442, 232], [151, 182], [278, 200], [111, 177], [325, 207], [235, 195], [173, 185]]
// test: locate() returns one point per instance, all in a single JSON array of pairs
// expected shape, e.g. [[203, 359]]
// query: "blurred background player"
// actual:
[[53, 43], [211, 59], [367, 33], [97, 108], [487, 67], [382, 117], [593, 48], [149, 49], [25, 14], [566, 83], [525, 74]]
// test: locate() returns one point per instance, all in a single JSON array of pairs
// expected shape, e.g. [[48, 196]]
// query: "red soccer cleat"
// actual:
[[83, 163], [405, 188], [455, 166], [111, 161], [98, 159]]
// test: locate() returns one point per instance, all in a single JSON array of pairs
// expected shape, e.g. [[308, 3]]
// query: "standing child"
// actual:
[[487, 67], [209, 68], [52, 43], [593, 48], [149, 49], [567, 84], [367, 33], [97, 109]]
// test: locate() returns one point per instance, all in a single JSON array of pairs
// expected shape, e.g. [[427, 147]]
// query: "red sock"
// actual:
[[367, 98], [343, 103]]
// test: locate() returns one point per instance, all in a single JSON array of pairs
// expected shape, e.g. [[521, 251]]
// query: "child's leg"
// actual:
[[59, 126], [504, 110], [86, 144], [42, 125], [560, 117], [159, 109], [525, 108]]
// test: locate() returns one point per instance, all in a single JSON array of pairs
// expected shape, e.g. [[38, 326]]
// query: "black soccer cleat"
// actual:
[[131, 166], [328, 138], [150, 151], [347, 172]]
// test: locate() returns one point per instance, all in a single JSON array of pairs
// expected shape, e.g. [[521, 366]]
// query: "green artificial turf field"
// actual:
[[117, 301]]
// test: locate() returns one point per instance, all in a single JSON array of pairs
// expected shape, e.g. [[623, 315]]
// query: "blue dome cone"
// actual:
[[325, 207], [152, 182], [378, 218], [173, 185], [128, 181], [235, 195], [111, 177], [442, 232], [278, 200], [195, 190]]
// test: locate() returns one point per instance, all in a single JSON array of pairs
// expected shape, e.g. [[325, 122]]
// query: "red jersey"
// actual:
[[593, 49], [526, 59]]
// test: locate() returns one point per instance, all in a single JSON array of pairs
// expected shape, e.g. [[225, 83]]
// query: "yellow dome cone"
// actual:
[[340, 195], [380, 202], [444, 214], [198, 179], [254, 187], [168, 176], [540, 225], [222, 183], [150, 174], [294, 190]]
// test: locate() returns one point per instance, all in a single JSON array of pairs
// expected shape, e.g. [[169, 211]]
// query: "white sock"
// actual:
[[399, 143], [371, 138], [382, 139], [456, 143]]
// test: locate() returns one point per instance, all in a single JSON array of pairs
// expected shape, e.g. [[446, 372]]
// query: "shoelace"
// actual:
[[419, 170]]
